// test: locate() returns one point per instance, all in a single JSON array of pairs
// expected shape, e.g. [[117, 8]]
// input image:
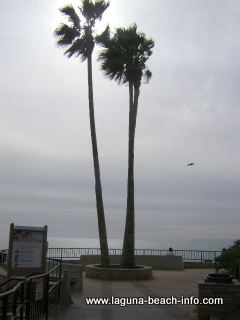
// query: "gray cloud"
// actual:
[[188, 113]]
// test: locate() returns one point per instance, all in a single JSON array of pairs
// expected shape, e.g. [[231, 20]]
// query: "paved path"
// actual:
[[164, 284]]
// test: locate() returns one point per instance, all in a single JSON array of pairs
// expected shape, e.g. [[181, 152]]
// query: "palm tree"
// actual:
[[79, 41], [123, 59]]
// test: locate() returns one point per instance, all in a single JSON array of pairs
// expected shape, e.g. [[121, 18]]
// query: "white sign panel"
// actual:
[[39, 289], [27, 249], [26, 255]]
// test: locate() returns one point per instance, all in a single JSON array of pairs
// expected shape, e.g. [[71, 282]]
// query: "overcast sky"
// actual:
[[189, 112]]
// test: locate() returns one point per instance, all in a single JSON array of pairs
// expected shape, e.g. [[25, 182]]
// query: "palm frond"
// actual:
[[104, 37], [124, 55], [100, 7], [147, 75], [87, 10], [78, 48], [93, 11], [65, 35], [78, 39], [112, 66], [69, 11]]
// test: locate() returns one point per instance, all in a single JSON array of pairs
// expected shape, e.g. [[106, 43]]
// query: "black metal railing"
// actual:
[[41, 284], [14, 299], [55, 273], [38, 296], [27, 298], [54, 268], [76, 253]]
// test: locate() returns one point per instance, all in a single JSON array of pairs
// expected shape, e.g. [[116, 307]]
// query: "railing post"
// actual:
[[28, 301], [4, 308], [14, 306], [46, 295]]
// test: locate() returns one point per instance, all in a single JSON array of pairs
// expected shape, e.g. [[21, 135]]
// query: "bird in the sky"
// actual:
[[191, 164]]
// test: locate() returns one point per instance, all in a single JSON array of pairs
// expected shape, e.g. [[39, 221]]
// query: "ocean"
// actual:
[[194, 244], [180, 244]]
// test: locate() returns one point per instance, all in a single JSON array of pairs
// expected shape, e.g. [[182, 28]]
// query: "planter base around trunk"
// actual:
[[114, 272]]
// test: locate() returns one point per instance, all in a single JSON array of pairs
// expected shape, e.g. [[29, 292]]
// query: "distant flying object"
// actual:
[[191, 164]]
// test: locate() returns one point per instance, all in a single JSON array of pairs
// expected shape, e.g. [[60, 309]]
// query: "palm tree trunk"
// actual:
[[128, 257], [98, 188]]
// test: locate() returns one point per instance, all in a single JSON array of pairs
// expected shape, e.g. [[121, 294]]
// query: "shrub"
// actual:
[[229, 260]]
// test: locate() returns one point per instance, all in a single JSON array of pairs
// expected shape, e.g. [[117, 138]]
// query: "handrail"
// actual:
[[11, 286], [16, 286], [76, 253], [196, 255], [57, 282], [58, 278], [39, 275], [18, 300]]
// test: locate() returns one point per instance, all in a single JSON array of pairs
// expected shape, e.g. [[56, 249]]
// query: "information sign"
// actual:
[[39, 289], [27, 250]]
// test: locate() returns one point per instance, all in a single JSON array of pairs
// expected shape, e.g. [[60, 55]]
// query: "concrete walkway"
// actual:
[[164, 284]]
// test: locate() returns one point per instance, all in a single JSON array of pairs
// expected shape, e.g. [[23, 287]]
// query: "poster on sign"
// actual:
[[27, 250], [39, 289]]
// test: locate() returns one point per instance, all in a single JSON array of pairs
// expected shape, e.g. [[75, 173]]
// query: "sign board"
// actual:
[[39, 289], [27, 250]]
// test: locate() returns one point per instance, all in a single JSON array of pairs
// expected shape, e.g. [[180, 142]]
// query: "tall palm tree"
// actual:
[[78, 39], [123, 58]]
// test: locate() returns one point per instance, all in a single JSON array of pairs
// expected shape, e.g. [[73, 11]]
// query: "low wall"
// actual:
[[115, 273], [156, 262], [198, 265], [230, 294]]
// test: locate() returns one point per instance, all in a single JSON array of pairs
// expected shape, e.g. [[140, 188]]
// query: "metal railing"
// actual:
[[14, 299], [76, 253], [27, 298], [55, 274]]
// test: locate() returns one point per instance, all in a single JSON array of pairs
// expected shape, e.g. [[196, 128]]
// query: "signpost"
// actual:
[[39, 289], [27, 250]]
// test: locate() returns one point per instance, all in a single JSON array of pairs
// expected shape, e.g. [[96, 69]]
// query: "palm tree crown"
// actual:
[[78, 37], [124, 55]]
